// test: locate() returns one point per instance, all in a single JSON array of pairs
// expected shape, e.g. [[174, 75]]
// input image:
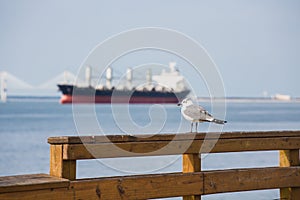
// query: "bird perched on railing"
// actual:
[[196, 114]]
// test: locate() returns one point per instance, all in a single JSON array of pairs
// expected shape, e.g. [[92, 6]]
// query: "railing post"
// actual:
[[289, 158], [191, 163], [59, 167]]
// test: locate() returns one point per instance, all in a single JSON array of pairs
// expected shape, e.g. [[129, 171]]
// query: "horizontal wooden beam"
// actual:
[[127, 187], [132, 149], [168, 185], [169, 137], [180, 184], [250, 179], [139, 187]]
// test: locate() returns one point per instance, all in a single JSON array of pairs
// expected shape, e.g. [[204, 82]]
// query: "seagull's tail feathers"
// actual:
[[218, 121]]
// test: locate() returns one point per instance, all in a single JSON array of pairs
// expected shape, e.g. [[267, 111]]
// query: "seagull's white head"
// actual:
[[186, 102]]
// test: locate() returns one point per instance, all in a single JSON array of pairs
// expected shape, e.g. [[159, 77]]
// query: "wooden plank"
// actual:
[[131, 149], [250, 179], [31, 182], [169, 137], [289, 158], [191, 163], [44, 194], [169, 185], [139, 187], [295, 193], [56, 160], [254, 144], [69, 169], [59, 167]]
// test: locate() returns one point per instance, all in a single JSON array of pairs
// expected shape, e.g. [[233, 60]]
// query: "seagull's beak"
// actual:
[[179, 104]]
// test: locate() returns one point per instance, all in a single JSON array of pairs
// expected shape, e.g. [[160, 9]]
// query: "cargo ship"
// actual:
[[168, 87]]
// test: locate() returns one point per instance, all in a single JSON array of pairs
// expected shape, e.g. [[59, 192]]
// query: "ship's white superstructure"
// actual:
[[170, 80]]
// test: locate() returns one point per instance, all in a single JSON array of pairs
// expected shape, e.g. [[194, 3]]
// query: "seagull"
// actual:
[[196, 113]]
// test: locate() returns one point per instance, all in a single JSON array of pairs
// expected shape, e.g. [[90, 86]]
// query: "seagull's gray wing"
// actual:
[[198, 113]]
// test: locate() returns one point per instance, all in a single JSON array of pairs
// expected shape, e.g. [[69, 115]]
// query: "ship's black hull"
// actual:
[[74, 94]]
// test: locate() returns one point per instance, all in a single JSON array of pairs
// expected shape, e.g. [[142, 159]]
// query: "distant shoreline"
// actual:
[[200, 99], [251, 100], [28, 98]]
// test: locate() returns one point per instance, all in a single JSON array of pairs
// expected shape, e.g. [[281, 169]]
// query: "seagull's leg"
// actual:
[[196, 127], [191, 127]]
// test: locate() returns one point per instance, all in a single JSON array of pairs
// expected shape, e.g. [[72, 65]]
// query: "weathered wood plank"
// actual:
[[169, 185], [289, 158], [44, 194], [191, 163], [250, 179], [139, 187], [31, 182], [69, 169], [59, 167], [168, 137], [253, 144], [56, 154], [131, 149]]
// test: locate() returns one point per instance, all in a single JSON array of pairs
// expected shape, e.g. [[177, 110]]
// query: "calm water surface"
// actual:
[[26, 125]]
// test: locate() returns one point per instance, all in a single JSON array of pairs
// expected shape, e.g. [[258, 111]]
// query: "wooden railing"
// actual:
[[191, 183]]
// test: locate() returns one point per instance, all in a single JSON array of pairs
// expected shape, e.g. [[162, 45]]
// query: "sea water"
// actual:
[[25, 125]]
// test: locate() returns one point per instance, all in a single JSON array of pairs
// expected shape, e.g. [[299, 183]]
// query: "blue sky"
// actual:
[[255, 44]]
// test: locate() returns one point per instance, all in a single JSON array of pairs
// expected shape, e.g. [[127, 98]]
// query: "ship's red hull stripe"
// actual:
[[107, 99]]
